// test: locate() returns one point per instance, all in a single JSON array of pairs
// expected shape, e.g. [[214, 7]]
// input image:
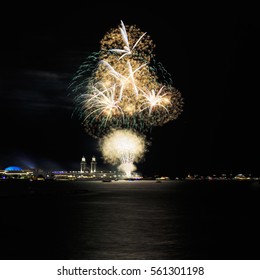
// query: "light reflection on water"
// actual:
[[130, 220]]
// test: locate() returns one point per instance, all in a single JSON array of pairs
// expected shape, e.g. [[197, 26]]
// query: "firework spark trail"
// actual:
[[122, 79], [126, 50]]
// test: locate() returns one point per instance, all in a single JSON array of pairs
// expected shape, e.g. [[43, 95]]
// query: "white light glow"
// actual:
[[123, 148]]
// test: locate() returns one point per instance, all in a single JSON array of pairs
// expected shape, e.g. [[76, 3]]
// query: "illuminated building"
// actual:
[[15, 172], [83, 165], [84, 173], [93, 165]]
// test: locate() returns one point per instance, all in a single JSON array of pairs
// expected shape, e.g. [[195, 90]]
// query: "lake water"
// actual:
[[130, 220]]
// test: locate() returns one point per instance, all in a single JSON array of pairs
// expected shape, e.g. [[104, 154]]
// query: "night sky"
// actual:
[[211, 52]]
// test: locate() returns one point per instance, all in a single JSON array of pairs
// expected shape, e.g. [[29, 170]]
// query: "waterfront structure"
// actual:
[[15, 172], [84, 173], [93, 165], [83, 165]]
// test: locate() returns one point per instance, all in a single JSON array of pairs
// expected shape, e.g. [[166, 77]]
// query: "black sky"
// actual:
[[211, 52]]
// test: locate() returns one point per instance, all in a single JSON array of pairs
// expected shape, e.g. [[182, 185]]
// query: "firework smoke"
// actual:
[[123, 148]]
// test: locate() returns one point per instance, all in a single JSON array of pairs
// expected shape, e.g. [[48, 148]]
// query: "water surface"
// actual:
[[130, 220]]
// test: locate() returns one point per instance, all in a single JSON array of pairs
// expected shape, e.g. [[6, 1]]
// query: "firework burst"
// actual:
[[123, 147], [123, 87]]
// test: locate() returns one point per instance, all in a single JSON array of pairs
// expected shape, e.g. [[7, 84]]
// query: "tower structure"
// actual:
[[93, 165], [83, 165]]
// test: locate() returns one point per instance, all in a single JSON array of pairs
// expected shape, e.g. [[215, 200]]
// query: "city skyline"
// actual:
[[210, 56], [90, 170]]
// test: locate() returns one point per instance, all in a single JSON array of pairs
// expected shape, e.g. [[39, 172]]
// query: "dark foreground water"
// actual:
[[130, 220]]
